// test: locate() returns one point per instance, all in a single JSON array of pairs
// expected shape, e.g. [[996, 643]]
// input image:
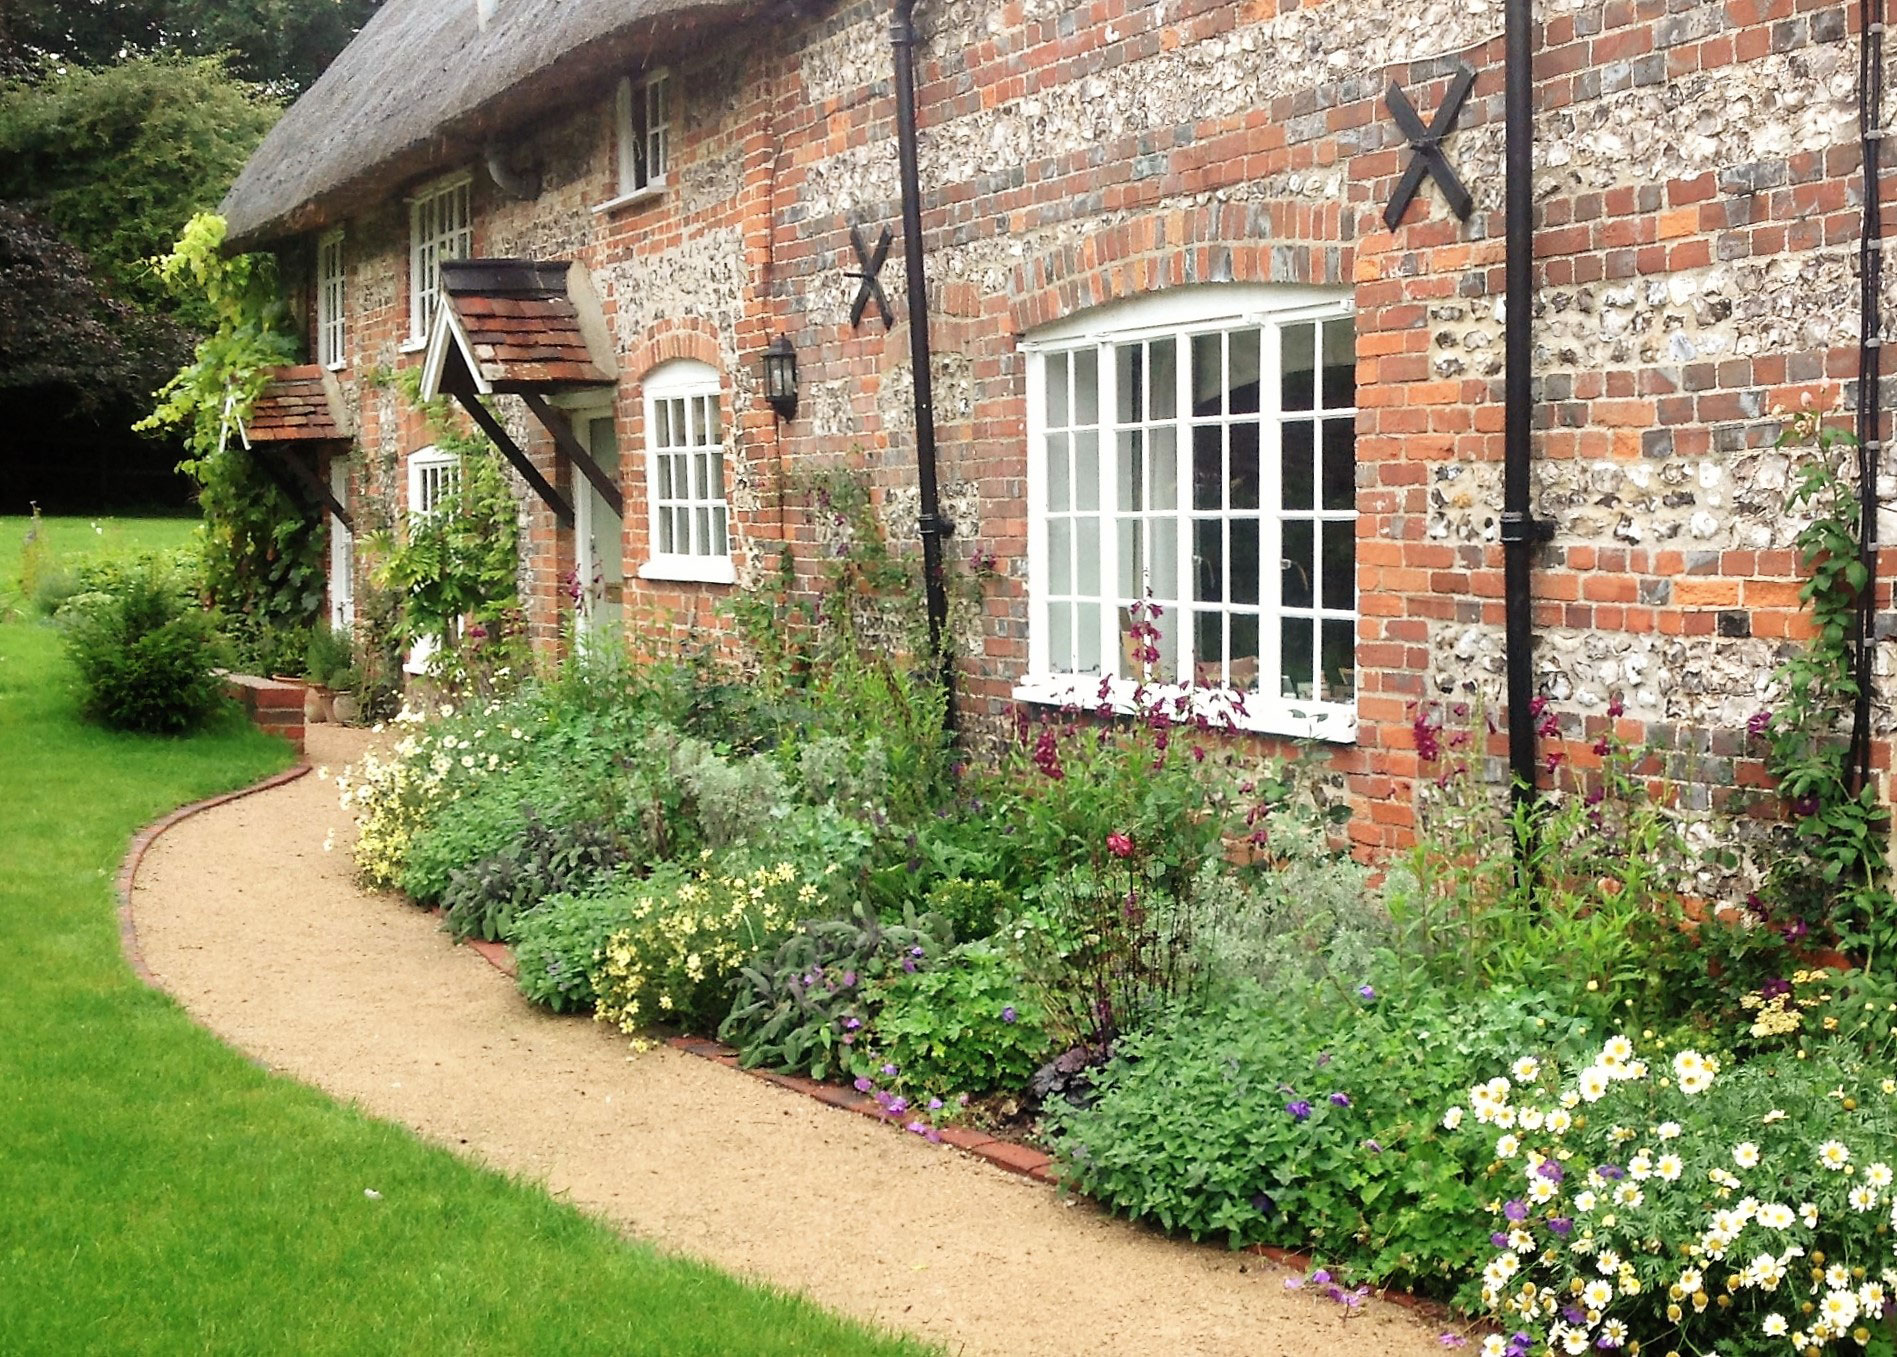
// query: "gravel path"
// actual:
[[262, 934]]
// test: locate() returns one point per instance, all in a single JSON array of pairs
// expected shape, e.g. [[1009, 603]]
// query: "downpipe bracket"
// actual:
[[1518, 528]]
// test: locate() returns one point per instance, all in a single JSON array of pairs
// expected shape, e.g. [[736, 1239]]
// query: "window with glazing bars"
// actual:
[[440, 227], [331, 300], [1199, 476], [689, 513], [645, 131]]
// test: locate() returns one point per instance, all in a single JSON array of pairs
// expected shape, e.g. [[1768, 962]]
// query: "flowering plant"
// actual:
[[676, 962], [1655, 1202]]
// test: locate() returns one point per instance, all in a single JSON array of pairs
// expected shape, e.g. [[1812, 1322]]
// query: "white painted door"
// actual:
[[598, 533], [342, 554]]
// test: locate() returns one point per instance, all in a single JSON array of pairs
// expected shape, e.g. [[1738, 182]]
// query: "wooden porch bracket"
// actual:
[[530, 473], [314, 492], [572, 450]]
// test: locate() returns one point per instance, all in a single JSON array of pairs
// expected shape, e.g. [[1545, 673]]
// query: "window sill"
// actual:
[[1332, 722], [690, 569], [337, 367], [650, 193], [413, 346]]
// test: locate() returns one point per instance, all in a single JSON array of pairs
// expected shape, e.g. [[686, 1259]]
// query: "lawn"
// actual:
[[77, 541], [160, 1194]]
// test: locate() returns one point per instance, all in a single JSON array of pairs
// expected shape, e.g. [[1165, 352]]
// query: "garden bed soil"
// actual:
[[258, 929]]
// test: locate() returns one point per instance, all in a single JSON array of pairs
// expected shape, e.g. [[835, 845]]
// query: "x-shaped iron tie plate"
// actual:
[[1427, 156], [872, 283]]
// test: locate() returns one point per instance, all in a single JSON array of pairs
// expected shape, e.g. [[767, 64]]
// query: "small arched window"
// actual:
[[685, 441]]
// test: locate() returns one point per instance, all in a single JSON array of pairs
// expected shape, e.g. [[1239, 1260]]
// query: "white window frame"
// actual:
[[332, 301], [342, 554], [433, 476], [642, 138], [430, 241], [1181, 313], [686, 383]]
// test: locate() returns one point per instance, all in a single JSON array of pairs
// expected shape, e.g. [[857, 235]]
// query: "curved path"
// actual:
[[261, 933]]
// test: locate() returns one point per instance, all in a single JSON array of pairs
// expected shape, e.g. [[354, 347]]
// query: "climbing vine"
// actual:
[[456, 570], [1840, 876], [263, 554]]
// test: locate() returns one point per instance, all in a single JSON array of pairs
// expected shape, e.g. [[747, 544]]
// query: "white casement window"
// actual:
[[433, 479], [1194, 452], [644, 132], [332, 298], [439, 227], [690, 521]]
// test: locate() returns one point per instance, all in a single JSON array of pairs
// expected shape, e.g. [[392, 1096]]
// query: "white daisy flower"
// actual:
[[1668, 1168], [1452, 1119], [1834, 1155], [1863, 1198], [1506, 1147], [1774, 1326], [1667, 1130], [1746, 1155], [1592, 1083], [1877, 1175], [1527, 1069]]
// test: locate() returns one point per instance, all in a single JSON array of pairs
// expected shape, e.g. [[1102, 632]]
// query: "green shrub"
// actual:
[[491, 819], [484, 900], [970, 908], [966, 1025], [1307, 1120], [807, 1006], [330, 657], [562, 944], [145, 658]]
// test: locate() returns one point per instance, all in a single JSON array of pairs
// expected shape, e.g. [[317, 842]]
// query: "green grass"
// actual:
[[160, 1194], [79, 541]]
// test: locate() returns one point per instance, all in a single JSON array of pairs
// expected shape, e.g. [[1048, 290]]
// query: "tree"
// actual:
[[284, 44], [117, 160]]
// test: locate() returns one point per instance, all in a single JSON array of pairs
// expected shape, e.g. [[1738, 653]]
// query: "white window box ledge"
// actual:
[[1332, 722], [690, 569], [414, 345], [650, 193]]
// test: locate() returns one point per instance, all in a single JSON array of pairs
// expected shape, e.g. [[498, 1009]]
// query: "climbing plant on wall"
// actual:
[[456, 569], [263, 554], [1840, 875]]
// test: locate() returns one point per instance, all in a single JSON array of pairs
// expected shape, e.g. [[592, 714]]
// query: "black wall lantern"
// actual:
[[780, 377]]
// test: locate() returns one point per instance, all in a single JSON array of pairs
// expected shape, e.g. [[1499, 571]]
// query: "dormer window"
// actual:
[[440, 227], [643, 134]]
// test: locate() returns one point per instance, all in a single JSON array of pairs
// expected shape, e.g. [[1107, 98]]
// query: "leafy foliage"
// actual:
[[484, 900], [263, 557], [115, 158], [1838, 878], [966, 1025], [559, 946], [145, 656], [805, 1007]]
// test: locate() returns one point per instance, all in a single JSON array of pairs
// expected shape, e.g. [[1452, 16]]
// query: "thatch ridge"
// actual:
[[417, 80]]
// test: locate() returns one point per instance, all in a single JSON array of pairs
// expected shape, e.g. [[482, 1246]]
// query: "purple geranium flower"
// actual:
[[863, 1084], [1340, 1099], [1516, 1210], [1298, 1108], [1366, 993], [1563, 1226], [889, 1071], [1008, 1014], [1550, 1170], [1499, 1240], [1613, 1173]]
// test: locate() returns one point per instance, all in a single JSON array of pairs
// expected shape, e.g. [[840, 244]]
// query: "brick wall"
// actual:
[[1696, 190]]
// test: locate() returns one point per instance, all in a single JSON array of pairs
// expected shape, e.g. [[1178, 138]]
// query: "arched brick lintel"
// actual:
[[1215, 243], [681, 337]]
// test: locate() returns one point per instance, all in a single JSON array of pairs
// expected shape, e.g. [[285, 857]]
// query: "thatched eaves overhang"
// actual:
[[424, 87]]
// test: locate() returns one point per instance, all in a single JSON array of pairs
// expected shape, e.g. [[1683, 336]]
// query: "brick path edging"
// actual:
[[146, 837]]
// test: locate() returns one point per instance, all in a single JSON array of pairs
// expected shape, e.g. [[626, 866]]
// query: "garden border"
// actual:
[[146, 837], [1012, 1156]]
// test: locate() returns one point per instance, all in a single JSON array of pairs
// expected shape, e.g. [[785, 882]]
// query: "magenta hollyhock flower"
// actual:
[[1120, 845]]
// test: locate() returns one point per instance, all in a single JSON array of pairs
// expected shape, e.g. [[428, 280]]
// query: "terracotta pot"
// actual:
[[346, 708], [318, 704]]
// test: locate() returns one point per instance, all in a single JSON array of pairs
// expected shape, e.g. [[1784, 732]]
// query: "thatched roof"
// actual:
[[422, 86]]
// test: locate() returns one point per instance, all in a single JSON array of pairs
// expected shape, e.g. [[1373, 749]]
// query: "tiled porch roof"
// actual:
[[515, 326], [298, 404]]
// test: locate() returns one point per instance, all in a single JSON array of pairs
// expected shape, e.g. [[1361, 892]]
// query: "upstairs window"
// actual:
[[1195, 452], [433, 478], [690, 520], [440, 227], [644, 132], [331, 300]]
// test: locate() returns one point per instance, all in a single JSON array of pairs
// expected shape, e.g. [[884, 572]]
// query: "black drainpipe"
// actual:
[[1520, 530], [1869, 374], [902, 35]]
